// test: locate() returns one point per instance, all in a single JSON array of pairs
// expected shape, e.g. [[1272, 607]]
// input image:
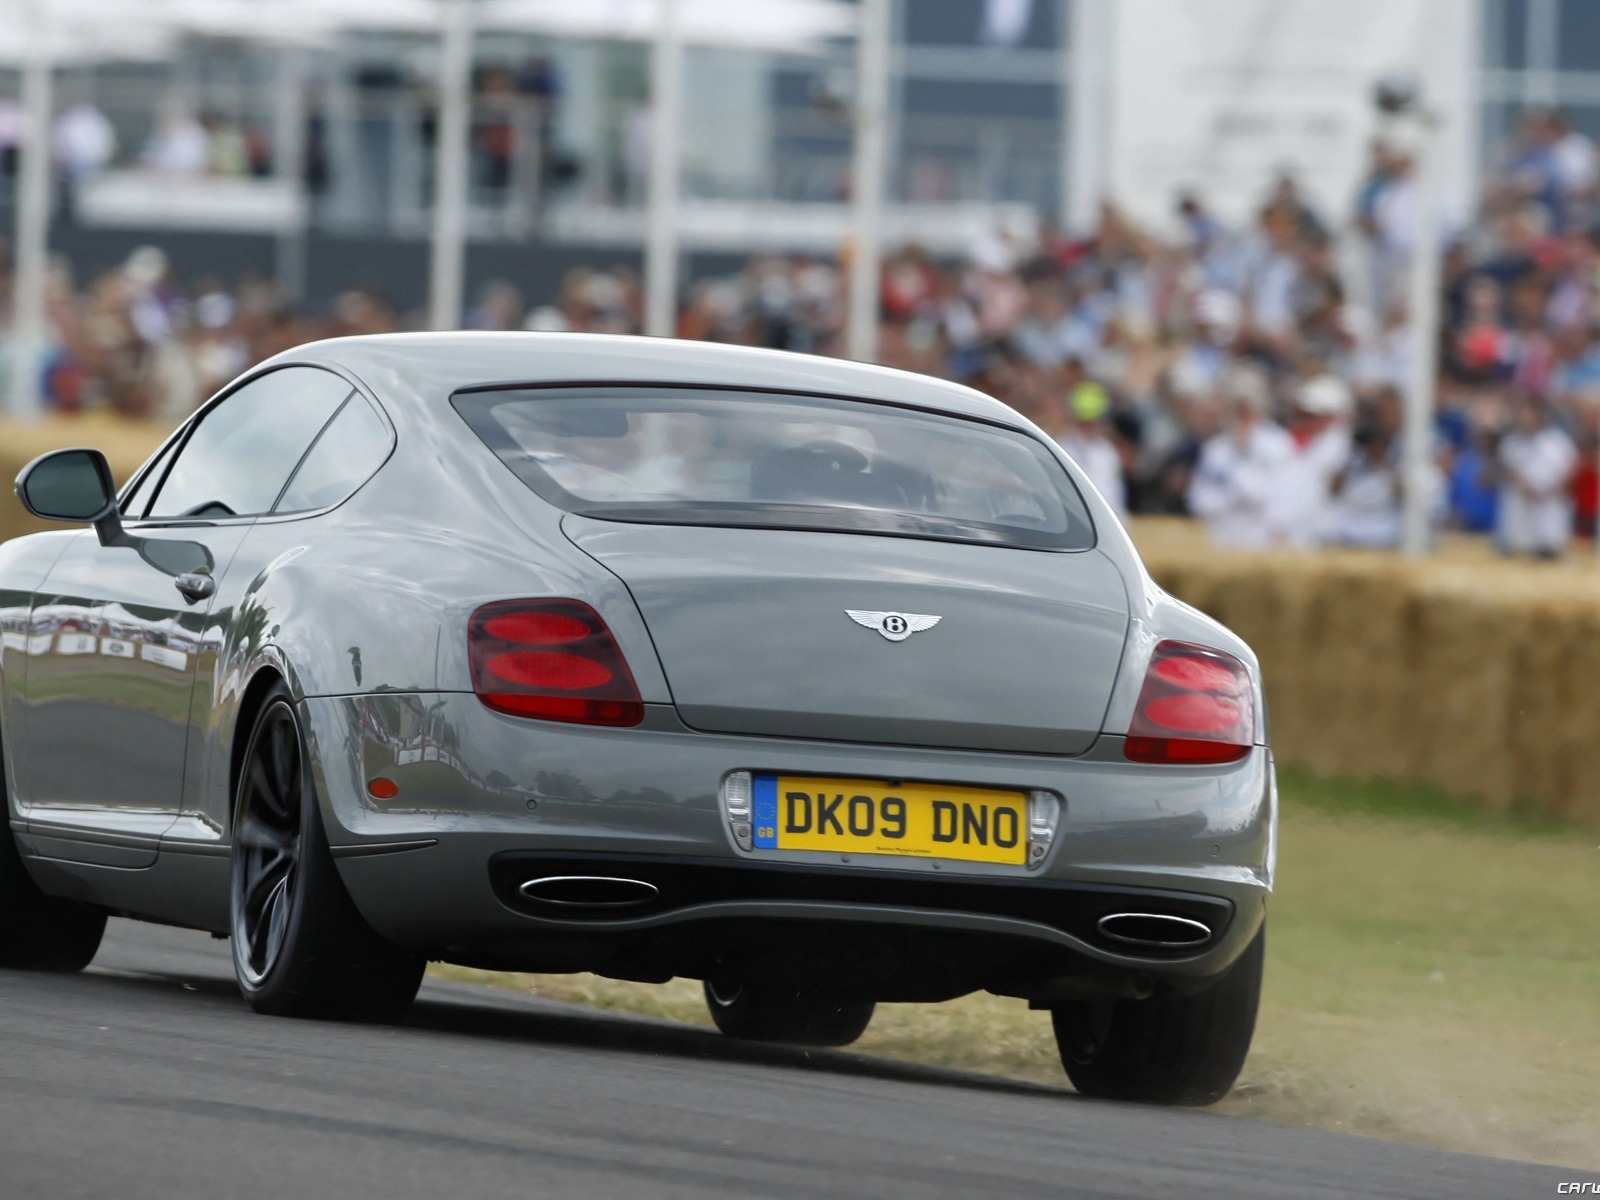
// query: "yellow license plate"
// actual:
[[864, 816]]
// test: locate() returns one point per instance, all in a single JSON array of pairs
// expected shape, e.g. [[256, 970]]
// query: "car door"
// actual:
[[355, 443], [134, 628]]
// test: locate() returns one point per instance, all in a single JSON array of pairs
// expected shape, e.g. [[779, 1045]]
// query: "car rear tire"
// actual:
[[1170, 1048], [40, 932], [775, 1012], [300, 947]]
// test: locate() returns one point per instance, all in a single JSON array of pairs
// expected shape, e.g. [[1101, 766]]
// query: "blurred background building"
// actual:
[[560, 146], [984, 130], [984, 100]]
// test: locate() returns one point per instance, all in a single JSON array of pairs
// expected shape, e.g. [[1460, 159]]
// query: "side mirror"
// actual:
[[72, 485]]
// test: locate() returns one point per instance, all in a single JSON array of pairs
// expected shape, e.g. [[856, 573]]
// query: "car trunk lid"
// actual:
[[755, 633]]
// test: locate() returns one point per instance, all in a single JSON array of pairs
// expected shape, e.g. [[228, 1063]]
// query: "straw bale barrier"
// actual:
[[125, 443], [1475, 675], [1478, 676]]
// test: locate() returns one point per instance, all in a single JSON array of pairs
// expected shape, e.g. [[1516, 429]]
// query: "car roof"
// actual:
[[431, 366]]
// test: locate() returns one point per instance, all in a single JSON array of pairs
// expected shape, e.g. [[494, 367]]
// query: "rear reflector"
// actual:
[[1196, 708], [551, 659]]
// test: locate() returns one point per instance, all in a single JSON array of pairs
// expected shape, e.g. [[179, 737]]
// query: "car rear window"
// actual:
[[686, 456]]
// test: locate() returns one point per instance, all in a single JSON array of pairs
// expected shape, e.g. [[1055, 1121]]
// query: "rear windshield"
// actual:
[[684, 456]]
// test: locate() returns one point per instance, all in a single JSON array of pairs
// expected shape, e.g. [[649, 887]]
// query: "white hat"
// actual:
[[547, 318], [1188, 378], [1218, 307], [1246, 383], [991, 254], [1324, 396], [146, 266]]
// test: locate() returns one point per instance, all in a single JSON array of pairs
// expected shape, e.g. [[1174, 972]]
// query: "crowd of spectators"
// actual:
[[1251, 377], [182, 143], [136, 341]]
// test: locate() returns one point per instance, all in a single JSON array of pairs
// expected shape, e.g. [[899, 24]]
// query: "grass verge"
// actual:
[[1433, 976]]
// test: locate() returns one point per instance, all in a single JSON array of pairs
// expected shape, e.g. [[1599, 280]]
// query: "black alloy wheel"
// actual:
[[40, 932], [267, 844], [300, 947]]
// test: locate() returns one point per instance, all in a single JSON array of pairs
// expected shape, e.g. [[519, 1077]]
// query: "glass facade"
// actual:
[[1539, 53], [977, 108]]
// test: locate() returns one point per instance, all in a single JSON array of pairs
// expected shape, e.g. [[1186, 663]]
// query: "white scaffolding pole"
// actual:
[[1085, 88], [448, 253], [289, 159], [666, 133], [1422, 309], [867, 178], [33, 221]]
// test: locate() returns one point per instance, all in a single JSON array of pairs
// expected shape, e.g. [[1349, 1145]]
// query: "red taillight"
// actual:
[[551, 659], [547, 671], [1196, 707], [536, 628]]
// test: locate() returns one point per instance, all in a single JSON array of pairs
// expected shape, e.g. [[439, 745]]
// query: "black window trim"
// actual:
[[578, 508], [171, 442], [186, 430], [274, 516], [512, 385], [301, 461]]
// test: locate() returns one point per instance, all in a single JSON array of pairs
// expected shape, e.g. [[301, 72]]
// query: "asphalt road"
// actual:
[[148, 1077]]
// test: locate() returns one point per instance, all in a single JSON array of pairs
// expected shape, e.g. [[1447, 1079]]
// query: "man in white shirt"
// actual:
[[1236, 482], [179, 145], [1576, 163], [1537, 461], [1319, 449], [84, 141], [1087, 441]]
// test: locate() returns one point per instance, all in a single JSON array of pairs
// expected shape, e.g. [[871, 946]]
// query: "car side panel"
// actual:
[[111, 706], [24, 563], [373, 598]]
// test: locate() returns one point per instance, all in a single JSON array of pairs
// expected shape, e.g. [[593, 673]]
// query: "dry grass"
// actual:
[[1432, 978], [1433, 981]]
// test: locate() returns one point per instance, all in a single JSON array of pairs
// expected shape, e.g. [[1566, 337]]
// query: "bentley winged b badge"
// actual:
[[896, 627]]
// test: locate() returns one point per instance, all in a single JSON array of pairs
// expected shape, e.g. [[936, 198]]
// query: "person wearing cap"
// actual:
[[1086, 437], [1319, 450], [1235, 484]]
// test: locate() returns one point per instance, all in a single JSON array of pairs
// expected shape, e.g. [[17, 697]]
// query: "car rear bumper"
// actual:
[[486, 803]]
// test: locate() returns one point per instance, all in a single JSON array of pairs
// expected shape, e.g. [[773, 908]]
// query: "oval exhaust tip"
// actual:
[[589, 891], [1155, 931]]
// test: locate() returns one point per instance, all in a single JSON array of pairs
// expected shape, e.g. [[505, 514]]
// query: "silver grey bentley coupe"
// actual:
[[824, 684]]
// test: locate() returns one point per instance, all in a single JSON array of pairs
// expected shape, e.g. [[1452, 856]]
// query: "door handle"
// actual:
[[195, 586]]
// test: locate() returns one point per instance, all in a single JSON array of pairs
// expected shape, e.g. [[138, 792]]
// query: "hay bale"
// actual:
[[126, 444], [1464, 671]]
